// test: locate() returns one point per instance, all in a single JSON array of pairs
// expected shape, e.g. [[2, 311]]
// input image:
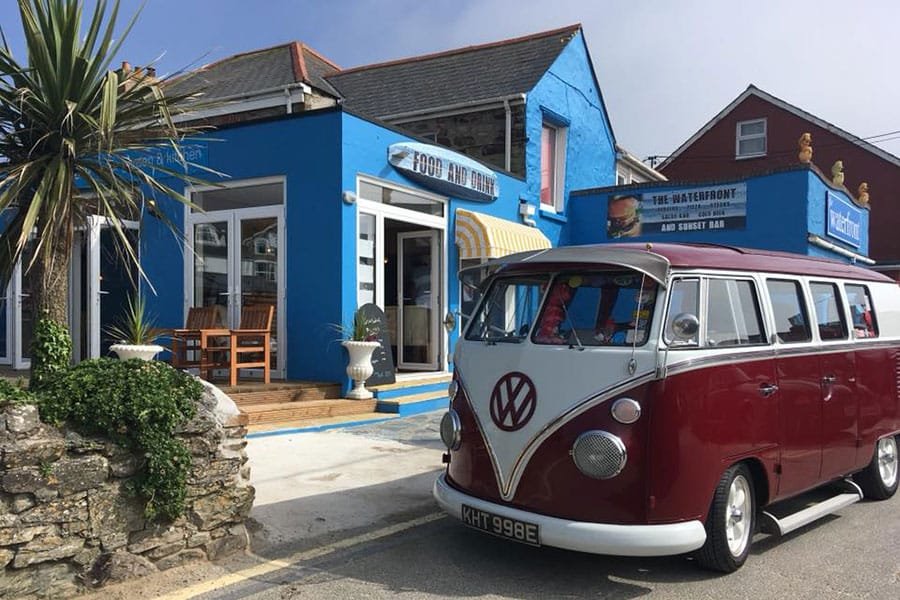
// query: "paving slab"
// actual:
[[310, 485]]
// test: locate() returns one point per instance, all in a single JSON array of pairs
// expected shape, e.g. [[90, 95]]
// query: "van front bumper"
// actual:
[[595, 538]]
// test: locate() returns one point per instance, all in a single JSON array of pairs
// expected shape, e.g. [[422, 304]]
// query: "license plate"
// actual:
[[513, 529]]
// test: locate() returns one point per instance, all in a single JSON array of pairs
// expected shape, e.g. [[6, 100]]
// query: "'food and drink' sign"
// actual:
[[445, 171]]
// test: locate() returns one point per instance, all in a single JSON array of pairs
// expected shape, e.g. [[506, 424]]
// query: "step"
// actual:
[[406, 382], [310, 409], [315, 425], [414, 404], [284, 395], [795, 520], [413, 386]]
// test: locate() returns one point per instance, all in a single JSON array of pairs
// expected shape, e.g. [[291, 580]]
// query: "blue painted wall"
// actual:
[[818, 190], [781, 208], [568, 93], [365, 151], [306, 151]]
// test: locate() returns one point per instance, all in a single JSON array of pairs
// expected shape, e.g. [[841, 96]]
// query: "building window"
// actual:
[[621, 178], [553, 167], [750, 139]]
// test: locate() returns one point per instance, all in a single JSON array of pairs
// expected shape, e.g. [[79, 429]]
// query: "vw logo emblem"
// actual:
[[513, 401]]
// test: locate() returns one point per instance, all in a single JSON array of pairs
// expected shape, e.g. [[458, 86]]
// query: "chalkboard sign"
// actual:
[[382, 359]]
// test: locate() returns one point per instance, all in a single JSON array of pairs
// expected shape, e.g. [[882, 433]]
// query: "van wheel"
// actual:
[[879, 480], [730, 523]]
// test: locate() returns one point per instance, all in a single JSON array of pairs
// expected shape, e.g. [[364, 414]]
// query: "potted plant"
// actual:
[[360, 343], [136, 332]]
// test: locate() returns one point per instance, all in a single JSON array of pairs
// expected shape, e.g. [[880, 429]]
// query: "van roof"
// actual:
[[655, 259]]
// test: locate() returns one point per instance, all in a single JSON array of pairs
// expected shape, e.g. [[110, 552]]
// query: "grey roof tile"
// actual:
[[467, 74]]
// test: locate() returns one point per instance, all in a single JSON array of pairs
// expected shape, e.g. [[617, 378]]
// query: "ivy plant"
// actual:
[[139, 405], [51, 352]]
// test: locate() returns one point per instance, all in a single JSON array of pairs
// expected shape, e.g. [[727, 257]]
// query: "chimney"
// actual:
[[126, 67]]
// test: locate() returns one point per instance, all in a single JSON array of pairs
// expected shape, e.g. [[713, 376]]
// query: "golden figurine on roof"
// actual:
[[863, 193], [837, 173], [806, 151]]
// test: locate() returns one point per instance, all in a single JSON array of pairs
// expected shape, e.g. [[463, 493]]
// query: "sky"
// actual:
[[665, 67]]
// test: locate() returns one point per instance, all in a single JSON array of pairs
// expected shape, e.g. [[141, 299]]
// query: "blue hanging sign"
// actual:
[[843, 220], [445, 171]]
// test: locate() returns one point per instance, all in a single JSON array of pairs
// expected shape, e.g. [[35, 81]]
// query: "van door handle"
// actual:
[[829, 379], [767, 389]]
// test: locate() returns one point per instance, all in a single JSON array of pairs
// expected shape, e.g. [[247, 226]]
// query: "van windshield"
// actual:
[[509, 310], [597, 309]]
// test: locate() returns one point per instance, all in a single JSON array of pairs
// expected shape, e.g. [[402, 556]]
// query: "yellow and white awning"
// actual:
[[482, 236]]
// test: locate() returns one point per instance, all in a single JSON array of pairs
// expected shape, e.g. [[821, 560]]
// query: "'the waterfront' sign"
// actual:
[[711, 208], [445, 171], [843, 220]]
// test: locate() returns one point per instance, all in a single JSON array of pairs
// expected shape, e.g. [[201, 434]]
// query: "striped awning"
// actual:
[[482, 236]]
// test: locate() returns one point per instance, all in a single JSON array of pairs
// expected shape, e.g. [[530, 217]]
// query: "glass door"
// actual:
[[237, 264], [5, 329], [20, 314], [212, 278], [258, 283], [418, 290], [100, 284]]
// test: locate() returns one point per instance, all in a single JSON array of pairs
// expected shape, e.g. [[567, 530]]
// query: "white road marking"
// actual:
[[271, 566]]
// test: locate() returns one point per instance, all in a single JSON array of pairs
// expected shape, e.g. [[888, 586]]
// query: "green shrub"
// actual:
[[137, 404], [51, 352], [11, 393]]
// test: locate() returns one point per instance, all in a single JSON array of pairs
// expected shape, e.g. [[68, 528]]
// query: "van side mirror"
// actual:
[[685, 326]]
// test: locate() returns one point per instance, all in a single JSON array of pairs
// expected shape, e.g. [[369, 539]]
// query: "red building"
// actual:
[[758, 132]]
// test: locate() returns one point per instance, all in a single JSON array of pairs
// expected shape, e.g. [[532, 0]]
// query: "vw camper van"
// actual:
[[662, 399]]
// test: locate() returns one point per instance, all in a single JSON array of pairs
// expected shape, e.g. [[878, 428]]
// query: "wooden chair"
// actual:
[[226, 347], [186, 348]]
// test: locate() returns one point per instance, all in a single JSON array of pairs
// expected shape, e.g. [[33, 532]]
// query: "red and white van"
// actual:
[[653, 400]]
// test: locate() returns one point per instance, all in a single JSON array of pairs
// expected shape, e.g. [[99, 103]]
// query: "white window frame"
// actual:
[[738, 138], [559, 168]]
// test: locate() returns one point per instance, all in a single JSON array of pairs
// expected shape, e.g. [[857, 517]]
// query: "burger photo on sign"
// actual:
[[623, 217]]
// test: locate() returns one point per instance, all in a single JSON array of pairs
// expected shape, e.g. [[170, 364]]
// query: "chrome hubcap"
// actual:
[[887, 461], [737, 528]]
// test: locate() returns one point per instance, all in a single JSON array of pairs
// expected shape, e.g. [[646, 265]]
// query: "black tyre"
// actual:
[[730, 523], [879, 480]]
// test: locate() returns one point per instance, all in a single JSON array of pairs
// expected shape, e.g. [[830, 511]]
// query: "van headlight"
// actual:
[[626, 411], [599, 454], [451, 430]]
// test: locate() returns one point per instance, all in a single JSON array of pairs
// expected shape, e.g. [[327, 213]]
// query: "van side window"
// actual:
[[829, 315], [861, 311], [791, 323], [733, 315], [684, 298]]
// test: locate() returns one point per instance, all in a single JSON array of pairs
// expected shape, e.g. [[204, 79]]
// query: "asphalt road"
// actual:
[[855, 554], [420, 553]]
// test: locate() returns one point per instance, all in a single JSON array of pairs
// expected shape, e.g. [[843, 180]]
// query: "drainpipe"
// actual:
[[508, 136], [817, 241], [288, 105]]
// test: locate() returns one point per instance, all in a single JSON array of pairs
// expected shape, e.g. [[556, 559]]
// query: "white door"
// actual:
[[17, 321], [419, 301], [6, 326], [237, 263], [110, 278]]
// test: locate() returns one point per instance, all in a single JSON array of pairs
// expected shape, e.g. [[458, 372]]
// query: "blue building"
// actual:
[[793, 209], [375, 185]]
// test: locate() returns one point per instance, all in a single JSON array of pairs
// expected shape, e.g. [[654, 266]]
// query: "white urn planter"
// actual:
[[360, 367], [141, 351]]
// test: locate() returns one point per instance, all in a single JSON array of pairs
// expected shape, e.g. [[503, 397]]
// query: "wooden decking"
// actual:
[[292, 401]]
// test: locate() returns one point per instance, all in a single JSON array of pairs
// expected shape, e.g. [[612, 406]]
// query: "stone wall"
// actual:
[[67, 519]]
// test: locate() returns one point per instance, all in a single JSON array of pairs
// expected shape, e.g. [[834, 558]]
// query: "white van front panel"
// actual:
[[520, 393]]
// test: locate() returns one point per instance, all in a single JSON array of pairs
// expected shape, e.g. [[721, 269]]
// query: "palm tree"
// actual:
[[74, 136]]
